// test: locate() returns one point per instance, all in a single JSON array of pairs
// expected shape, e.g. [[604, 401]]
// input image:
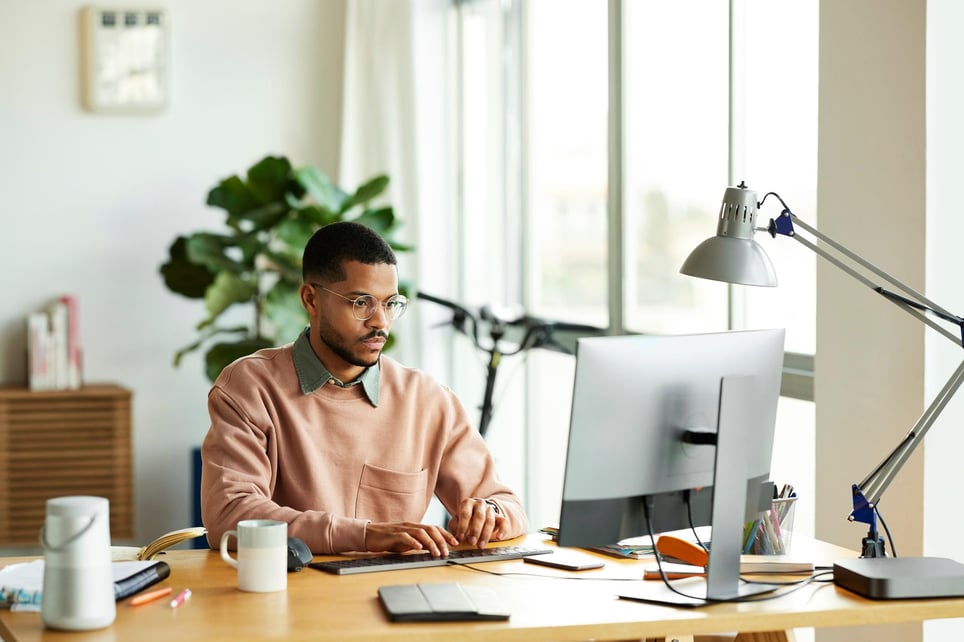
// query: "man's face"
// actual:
[[345, 344]]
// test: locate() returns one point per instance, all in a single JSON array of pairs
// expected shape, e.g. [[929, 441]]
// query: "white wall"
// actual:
[[91, 202], [871, 195], [945, 228], [889, 174]]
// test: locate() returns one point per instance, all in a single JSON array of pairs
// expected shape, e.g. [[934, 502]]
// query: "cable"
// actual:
[[689, 517], [821, 576], [795, 584], [893, 548], [471, 566]]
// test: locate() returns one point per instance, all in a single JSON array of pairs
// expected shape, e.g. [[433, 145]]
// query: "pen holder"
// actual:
[[770, 533]]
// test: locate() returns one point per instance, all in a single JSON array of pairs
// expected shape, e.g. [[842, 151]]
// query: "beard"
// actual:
[[338, 344]]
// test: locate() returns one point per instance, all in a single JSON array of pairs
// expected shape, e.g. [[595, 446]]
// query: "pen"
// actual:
[[150, 596], [181, 598]]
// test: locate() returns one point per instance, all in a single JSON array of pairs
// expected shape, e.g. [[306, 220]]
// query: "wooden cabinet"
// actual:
[[69, 442]]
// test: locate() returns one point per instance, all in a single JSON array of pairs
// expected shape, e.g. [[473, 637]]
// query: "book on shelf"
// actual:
[[157, 546], [53, 347]]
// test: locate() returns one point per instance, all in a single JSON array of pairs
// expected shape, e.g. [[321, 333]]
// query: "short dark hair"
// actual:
[[332, 245]]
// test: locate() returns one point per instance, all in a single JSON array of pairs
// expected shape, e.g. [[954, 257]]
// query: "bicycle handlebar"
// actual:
[[538, 332]]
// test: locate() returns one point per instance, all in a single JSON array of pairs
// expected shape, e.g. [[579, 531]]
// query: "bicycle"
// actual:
[[536, 333]]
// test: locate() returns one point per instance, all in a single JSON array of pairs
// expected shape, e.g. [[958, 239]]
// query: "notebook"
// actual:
[[21, 585], [441, 602]]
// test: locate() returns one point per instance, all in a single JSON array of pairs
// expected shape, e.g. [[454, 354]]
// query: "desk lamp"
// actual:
[[734, 257]]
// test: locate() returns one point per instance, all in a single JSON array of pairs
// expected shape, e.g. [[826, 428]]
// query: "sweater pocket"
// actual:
[[391, 496]]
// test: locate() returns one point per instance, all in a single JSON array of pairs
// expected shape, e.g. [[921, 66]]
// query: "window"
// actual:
[[566, 159], [676, 151], [583, 211]]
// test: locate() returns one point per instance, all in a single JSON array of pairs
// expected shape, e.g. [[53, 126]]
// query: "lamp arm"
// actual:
[[913, 303], [732, 256], [784, 225], [868, 492], [876, 483]]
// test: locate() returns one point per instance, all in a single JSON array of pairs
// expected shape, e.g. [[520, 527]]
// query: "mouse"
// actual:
[[298, 554]]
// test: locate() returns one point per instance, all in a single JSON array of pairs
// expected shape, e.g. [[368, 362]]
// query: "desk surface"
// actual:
[[545, 604]]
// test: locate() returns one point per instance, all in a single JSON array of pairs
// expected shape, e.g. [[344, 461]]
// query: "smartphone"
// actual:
[[566, 560]]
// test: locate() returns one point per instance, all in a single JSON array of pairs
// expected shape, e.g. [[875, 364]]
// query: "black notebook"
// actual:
[[441, 602], [139, 580]]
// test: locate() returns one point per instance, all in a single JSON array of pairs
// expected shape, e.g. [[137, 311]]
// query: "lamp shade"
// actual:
[[732, 255]]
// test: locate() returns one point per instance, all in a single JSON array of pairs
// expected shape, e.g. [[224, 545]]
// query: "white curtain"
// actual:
[[394, 123], [378, 132]]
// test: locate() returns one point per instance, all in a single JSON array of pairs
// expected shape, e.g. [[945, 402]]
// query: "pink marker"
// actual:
[[181, 598]]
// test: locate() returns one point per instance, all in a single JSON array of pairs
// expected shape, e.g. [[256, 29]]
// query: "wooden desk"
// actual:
[[320, 606]]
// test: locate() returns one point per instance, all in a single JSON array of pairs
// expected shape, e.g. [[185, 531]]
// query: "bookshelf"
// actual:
[[65, 442]]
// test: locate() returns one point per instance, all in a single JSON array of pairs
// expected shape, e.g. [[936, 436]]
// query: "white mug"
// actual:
[[262, 555]]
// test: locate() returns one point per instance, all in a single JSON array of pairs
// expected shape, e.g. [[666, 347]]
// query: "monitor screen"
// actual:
[[639, 402]]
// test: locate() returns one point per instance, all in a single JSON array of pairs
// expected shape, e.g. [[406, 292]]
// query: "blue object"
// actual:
[[197, 542], [783, 224]]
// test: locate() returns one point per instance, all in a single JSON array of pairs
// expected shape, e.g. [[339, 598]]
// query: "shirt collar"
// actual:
[[312, 373]]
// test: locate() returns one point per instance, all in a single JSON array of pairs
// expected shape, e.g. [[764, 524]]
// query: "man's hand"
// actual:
[[399, 537], [477, 521]]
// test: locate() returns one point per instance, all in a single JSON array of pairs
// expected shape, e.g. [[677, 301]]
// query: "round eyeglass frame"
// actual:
[[363, 306]]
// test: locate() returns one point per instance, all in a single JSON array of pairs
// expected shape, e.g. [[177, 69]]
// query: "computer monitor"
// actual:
[[681, 425]]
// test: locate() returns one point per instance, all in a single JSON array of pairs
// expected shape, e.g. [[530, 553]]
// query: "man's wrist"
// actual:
[[495, 506]]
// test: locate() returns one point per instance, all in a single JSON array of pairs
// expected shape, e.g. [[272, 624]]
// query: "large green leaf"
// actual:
[[287, 264], [271, 213], [228, 289], [250, 246], [294, 233], [366, 192], [183, 276], [268, 179], [284, 308], [223, 354], [206, 335], [209, 250], [320, 187], [233, 195], [382, 219], [401, 247], [318, 215], [260, 218]]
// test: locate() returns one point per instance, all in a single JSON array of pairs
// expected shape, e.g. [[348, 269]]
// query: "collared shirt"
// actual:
[[312, 373], [328, 463]]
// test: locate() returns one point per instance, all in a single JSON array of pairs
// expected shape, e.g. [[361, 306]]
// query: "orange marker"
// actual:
[[150, 596]]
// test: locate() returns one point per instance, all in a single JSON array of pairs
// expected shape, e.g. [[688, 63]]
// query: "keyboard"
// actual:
[[419, 560]]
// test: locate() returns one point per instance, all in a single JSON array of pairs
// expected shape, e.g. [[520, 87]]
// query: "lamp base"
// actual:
[[894, 578]]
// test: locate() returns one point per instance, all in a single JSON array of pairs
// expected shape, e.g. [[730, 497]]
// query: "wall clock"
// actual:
[[125, 59]]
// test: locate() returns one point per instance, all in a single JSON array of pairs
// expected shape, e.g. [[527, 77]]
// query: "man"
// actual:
[[340, 441]]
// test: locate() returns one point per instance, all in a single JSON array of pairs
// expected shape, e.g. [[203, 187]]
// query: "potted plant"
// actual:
[[270, 215]]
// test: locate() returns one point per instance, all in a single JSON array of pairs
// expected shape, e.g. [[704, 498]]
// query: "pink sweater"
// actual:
[[329, 462]]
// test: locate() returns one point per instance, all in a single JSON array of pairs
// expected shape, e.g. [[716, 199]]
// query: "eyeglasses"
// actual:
[[363, 307]]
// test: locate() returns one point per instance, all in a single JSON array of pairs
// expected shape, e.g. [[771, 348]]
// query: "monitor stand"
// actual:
[[692, 592], [737, 407]]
